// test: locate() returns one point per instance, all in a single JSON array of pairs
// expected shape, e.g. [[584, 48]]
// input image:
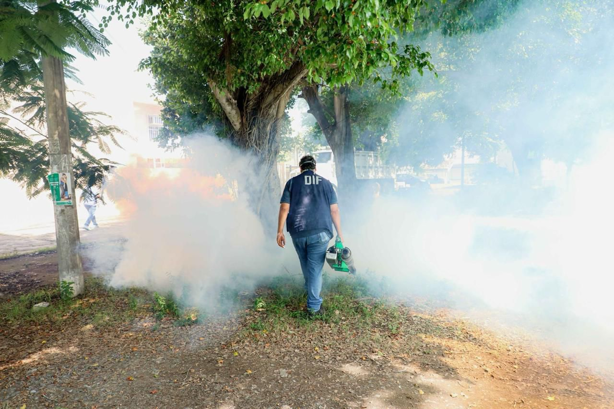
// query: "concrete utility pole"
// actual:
[[60, 158]]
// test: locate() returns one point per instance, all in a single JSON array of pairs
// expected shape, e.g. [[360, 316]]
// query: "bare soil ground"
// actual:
[[22, 274], [108, 349]]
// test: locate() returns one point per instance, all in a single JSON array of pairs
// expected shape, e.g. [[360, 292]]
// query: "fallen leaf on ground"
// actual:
[[130, 378], [550, 398], [154, 392], [248, 371], [420, 391]]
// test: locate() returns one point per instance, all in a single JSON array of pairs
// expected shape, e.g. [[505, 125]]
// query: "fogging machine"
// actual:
[[339, 258]]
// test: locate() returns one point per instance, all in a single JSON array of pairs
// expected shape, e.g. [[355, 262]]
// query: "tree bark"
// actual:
[[338, 135], [60, 157], [342, 143], [255, 120]]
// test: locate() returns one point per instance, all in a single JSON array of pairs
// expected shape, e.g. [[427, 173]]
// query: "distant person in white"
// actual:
[[90, 202]]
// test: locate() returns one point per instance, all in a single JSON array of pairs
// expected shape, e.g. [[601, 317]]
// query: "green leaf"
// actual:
[[248, 11], [320, 33], [266, 11], [329, 5]]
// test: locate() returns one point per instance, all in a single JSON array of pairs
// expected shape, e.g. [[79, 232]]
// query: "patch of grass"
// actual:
[[168, 307], [15, 254], [258, 325], [348, 305], [99, 305], [133, 302]]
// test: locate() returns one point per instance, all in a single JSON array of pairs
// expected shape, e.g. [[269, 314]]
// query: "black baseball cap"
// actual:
[[306, 160]]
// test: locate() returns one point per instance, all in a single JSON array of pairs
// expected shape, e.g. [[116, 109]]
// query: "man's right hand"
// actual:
[[281, 240]]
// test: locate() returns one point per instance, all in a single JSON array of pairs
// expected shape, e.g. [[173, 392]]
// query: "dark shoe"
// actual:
[[317, 313]]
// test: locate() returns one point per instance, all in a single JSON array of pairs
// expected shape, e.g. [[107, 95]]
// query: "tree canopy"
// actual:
[[236, 65], [30, 29]]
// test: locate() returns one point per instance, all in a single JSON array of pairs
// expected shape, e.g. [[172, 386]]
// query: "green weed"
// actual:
[[165, 306], [66, 290]]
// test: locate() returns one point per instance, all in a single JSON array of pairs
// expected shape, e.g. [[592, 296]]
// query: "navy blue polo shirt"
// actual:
[[310, 197]]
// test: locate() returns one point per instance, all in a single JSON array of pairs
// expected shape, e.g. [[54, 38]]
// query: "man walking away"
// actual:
[[309, 209], [90, 202]]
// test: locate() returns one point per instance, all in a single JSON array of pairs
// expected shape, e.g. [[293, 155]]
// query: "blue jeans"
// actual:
[[311, 252], [91, 218]]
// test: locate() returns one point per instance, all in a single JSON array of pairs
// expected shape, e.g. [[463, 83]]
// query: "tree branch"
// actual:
[[228, 104], [23, 123], [284, 84], [316, 108]]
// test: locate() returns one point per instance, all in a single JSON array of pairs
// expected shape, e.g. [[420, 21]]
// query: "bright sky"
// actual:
[[114, 81]]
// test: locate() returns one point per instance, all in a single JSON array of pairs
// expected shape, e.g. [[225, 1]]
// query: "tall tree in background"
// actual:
[[520, 81], [45, 30]]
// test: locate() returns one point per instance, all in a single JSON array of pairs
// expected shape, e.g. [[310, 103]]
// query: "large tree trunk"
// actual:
[[255, 120], [338, 135]]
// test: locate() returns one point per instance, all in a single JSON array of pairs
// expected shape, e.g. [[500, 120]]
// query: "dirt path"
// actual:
[[400, 358], [218, 364]]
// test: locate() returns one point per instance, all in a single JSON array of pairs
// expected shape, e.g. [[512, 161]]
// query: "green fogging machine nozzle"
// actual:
[[340, 258]]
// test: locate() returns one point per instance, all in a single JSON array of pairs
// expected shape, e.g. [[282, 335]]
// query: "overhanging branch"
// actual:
[[284, 84], [228, 104]]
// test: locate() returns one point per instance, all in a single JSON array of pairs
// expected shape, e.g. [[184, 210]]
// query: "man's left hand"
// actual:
[[281, 240]]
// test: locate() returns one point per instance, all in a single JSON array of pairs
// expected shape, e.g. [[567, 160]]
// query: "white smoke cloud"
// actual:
[[191, 231], [554, 272], [549, 265]]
